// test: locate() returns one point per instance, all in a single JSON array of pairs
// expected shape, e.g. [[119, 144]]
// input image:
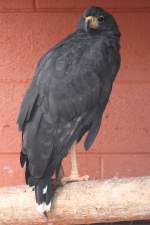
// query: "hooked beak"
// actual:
[[91, 22]]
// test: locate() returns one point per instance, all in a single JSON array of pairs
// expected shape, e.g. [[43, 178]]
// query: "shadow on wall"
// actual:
[[125, 223]]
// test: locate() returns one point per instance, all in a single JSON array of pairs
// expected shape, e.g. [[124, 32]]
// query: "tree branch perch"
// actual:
[[85, 202]]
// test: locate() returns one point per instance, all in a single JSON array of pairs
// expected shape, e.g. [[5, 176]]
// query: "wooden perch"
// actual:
[[80, 203]]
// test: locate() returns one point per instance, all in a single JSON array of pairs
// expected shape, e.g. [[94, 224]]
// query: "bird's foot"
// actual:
[[70, 179]]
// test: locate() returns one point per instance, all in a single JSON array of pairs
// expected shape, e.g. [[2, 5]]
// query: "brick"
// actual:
[[118, 165], [135, 47], [27, 36], [125, 126], [82, 4], [16, 4], [16, 57], [89, 164], [10, 97], [10, 170]]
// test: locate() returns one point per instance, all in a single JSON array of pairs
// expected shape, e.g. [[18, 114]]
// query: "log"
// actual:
[[86, 202]]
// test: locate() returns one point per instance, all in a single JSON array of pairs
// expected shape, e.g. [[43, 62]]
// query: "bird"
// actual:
[[66, 100]]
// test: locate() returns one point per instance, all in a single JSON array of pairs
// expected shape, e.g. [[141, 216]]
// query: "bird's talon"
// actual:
[[70, 179], [86, 177]]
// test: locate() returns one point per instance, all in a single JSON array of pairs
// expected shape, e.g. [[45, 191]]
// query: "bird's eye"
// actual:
[[101, 19]]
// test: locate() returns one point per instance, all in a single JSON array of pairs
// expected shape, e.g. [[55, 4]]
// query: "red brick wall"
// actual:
[[27, 29]]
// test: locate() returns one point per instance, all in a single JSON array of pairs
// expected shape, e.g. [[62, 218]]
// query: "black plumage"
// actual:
[[68, 95]]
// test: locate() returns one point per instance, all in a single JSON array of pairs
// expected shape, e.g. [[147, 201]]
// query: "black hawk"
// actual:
[[66, 99]]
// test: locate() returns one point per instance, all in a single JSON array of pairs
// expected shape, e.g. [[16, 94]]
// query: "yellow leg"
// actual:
[[74, 175], [74, 166]]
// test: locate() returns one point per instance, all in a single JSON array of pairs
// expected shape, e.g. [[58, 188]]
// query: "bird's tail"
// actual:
[[43, 195], [43, 187]]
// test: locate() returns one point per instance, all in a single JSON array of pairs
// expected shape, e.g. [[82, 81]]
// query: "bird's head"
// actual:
[[97, 19]]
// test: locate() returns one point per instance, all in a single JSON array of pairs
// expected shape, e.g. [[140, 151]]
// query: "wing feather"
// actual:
[[27, 107]]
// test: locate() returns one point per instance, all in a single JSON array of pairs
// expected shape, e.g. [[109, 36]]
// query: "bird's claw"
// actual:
[[70, 179]]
